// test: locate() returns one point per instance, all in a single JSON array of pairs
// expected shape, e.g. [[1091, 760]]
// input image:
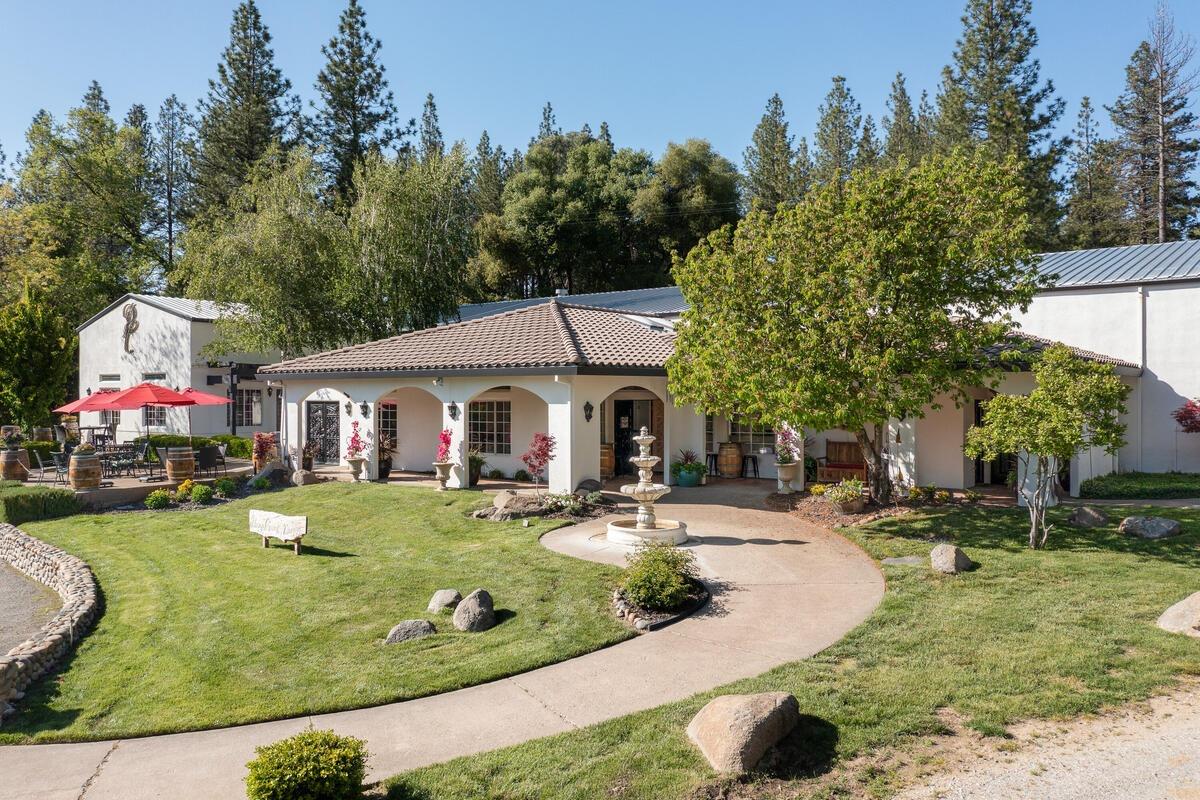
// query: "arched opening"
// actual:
[[411, 418], [622, 414], [500, 423], [321, 427]]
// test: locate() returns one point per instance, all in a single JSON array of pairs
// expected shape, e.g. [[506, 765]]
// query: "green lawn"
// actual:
[[1142, 486], [1029, 634], [203, 627]]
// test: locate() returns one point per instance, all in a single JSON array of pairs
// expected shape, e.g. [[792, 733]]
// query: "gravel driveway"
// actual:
[[25, 605]]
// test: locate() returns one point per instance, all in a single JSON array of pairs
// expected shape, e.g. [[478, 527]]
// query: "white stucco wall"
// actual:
[[939, 441]]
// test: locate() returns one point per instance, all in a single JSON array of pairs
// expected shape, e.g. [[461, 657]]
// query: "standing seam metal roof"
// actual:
[[1108, 266]]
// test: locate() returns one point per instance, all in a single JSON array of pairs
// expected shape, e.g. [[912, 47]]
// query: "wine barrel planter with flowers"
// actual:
[[181, 464], [83, 471]]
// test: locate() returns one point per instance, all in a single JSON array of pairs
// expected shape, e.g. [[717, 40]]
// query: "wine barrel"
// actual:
[[729, 460], [181, 465], [84, 471], [12, 466], [43, 435], [5, 430], [608, 461]]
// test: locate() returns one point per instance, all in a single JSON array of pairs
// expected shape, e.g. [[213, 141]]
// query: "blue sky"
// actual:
[[656, 71]]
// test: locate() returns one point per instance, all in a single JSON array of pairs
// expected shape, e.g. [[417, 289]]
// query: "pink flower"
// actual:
[[357, 445], [444, 439]]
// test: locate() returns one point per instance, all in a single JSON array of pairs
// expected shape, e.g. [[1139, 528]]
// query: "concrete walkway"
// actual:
[[783, 590]]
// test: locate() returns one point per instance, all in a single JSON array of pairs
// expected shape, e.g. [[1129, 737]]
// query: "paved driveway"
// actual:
[[784, 590]]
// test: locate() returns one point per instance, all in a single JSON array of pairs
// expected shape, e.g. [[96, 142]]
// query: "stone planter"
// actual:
[[356, 467], [787, 473], [442, 469], [83, 471]]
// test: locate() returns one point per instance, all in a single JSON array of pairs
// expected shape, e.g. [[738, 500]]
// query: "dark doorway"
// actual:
[[323, 431], [629, 417], [995, 472]]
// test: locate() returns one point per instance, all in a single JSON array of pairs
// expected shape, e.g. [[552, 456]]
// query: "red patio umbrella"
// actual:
[[90, 402], [142, 395], [200, 398]]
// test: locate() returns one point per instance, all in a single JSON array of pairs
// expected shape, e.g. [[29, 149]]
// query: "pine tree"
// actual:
[[605, 135], [172, 170], [94, 100], [1156, 132], [802, 168], [837, 134], [357, 113], [243, 114], [770, 160], [906, 133], [429, 142], [548, 126], [992, 97], [489, 172], [1095, 206], [868, 153]]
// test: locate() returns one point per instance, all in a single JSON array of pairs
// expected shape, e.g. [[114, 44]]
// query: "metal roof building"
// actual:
[[1116, 266]]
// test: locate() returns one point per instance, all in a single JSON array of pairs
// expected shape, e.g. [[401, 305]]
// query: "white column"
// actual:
[[559, 474], [367, 428], [458, 441]]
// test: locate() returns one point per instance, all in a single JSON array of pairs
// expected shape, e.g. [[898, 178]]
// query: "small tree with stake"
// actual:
[[1074, 407], [538, 456]]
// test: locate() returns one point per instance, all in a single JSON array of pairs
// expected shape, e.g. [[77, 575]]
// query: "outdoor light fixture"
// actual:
[[364, 408], [349, 408], [453, 410], [270, 391], [437, 381], [588, 408]]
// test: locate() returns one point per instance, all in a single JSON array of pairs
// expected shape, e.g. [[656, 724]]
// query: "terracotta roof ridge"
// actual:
[[608, 309], [565, 333]]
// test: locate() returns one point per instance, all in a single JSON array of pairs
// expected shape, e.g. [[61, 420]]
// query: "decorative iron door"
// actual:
[[323, 431]]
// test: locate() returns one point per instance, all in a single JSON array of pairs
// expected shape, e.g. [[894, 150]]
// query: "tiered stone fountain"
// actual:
[[645, 527]]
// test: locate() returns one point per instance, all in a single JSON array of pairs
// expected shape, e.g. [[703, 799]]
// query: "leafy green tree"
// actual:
[[992, 98], [242, 115], [1157, 133], [1075, 406], [1095, 205], [838, 129], [770, 161], [694, 190], [356, 114], [861, 304], [36, 361]]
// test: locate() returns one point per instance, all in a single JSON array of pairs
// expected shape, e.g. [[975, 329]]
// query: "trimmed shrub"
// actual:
[[848, 490], [941, 497], [496, 474], [312, 765], [238, 446], [225, 487], [1141, 486], [562, 502], [43, 449], [522, 475], [183, 492], [595, 498], [972, 497], [659, 576], [261, 484], [158, 499], [21, 503], [202, 494]]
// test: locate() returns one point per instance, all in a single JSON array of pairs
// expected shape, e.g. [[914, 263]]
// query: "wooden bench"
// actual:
[[842, 460], [268, 525]]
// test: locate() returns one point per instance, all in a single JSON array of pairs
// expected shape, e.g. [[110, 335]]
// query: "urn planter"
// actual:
[[787, 473], [356, 466], [442, 469]]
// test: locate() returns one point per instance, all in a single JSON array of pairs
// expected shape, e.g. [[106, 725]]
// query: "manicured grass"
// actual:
[[203, 627], [1050, 633], [1142, 486]]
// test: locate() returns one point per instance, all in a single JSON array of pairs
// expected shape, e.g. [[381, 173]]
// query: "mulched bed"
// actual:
[[697, 598], [820, 511]]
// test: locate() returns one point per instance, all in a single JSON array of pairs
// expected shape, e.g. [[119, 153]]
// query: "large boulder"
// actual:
[[304, 477], [1183, 617], [587, 486], [734, 731], [475, 612], [444, 600], [949, 559], [410, 629], [508, 505], [1150, 527], [1087, 517]]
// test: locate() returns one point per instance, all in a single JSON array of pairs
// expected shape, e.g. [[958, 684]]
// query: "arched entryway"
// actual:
[[500, 424], [411, 417], [322, 419], [622, 414]]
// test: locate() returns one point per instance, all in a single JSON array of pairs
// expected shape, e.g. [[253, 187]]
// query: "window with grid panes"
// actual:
[[489, 426], [387, 420], [753, 435], [247, 405]]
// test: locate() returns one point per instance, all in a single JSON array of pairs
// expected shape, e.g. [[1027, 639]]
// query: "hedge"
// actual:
[[42, 448], [239, 446], [1141, 486], [23, 503]]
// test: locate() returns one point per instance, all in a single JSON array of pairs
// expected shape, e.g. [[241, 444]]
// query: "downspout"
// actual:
[[1141, 387]]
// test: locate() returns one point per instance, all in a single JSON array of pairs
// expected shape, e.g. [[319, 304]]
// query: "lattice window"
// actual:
[[387, 419], [154, 416], [752, 434], [489, 426]]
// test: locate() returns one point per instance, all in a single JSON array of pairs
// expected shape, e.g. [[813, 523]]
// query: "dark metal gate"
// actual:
[[323, 431]]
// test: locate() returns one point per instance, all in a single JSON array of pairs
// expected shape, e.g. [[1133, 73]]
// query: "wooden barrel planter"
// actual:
[[12, 466], [43, 435], [181, 464], [729, 460], [608, 461], [83, 471], [5, 430]]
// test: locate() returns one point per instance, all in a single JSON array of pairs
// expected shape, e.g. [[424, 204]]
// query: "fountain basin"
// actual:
[[663, 531]]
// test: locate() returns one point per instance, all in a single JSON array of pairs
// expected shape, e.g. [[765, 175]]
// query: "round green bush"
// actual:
[[159, 498], [225, 487], [202, 494], [261, 484], [312, 765], [659, 576]]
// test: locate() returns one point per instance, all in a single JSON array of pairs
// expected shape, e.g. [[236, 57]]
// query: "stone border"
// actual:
[[636, 617], [74, 582]]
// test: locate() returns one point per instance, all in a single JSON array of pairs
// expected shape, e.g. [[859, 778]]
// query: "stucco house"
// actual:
[[161, 340]]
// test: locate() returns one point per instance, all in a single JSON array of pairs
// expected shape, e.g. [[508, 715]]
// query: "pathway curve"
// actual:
[[784, 590]]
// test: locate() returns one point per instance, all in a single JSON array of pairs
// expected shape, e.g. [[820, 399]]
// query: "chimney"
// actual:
[[561, 292]]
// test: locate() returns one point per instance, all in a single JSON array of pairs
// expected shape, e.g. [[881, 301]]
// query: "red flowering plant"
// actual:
[[357, 447], [1188, 416], [443, 451], [538, 456]]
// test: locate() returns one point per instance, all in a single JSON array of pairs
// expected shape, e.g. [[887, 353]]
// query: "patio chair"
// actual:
[[142, 463], [206, 460], [221, 446], [61, 464], [59, 473]]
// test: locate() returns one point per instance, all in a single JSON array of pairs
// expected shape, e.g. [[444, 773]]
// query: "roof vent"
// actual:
[[561, 292], [657, 328]]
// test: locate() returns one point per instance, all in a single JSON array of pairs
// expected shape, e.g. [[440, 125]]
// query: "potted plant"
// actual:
[[475, 464], [847, 496], [264, 448], [356, 450], [787, 454], [687, 470], [308, 454], [11, 468], [83, 471], [387, 448], [443, 463]]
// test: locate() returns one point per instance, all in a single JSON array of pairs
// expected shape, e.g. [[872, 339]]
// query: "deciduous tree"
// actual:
[[36, 361]]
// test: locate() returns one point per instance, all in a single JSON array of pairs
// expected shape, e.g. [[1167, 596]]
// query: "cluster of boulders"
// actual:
[[629, 612], [474, 613], [72, 579], [508, 505]]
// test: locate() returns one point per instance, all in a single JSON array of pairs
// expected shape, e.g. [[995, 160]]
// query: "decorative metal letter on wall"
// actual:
[[131, 323]]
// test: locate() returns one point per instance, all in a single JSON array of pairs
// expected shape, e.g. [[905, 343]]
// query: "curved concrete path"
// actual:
[[783, 590]]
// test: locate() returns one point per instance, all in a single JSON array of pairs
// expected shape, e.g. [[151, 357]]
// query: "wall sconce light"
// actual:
[[270, 391], [453, 410], [437, 381], [349, 408], [588, 408], [364, 408], [89, 391]]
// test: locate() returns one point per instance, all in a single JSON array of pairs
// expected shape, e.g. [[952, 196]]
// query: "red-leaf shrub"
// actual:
[[538, 456], [1188, 416]]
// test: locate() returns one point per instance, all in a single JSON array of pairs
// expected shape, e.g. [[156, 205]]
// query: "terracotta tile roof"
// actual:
[[1019, 341], [551, 334]]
